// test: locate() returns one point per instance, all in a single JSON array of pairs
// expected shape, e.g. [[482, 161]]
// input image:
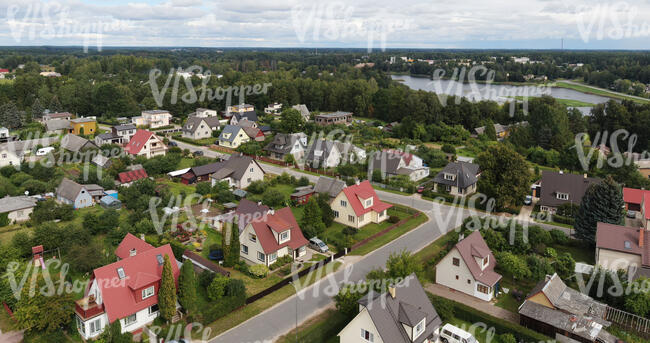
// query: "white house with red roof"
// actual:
[[469, 268], [359, 205], [272, 236], [145, 143], [126, 290]]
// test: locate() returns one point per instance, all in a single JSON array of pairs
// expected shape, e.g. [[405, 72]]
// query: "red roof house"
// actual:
[[358, 205], [4, 71], [633, 198], [127, 177], [145, 143], [131, 246], [274, 235], [622, 247], [126, 290]]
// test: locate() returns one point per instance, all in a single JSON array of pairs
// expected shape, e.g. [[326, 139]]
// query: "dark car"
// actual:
[[198, 153], [172, 143]]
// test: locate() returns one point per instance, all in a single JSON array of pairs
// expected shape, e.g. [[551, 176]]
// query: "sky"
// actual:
[[373, 25]]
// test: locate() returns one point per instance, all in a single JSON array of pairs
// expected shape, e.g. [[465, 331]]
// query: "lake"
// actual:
[[498, 93]]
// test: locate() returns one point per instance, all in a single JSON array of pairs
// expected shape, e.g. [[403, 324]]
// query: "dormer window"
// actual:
[[284, 236], [147, 292], [419, 329], [367, 203], [449, 176], [563, 196], [486, 260]]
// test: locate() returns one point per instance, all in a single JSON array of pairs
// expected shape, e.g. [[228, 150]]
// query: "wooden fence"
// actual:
[[384, 231]]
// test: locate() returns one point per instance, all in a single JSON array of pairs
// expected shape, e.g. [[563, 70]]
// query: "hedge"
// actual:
[[563, 220], [501, 326]]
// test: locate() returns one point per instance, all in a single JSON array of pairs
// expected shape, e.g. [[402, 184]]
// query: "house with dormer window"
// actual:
[[558, 188], [287, 144], [469, 268], [359, 205], [271, 236], [232, 136], [404, 314], [125, 291], [145, 143], [457, 178]]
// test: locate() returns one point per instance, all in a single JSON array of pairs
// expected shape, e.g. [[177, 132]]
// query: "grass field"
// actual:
[[598, 91], [321, 329]]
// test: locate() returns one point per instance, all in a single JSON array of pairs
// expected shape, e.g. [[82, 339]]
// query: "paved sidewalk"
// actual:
[[470, 301], [11, 337]]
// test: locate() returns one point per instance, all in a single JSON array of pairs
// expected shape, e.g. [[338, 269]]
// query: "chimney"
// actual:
[[357, 182], [259, 203], [392, 291], [142, 236], [133, 252], [641, 238], [584, 175]]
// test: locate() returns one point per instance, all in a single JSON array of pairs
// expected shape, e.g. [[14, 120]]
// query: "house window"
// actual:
[[147, 292], [95, 326], [284, 236], [449, 176], [485, 261], [367, 335], [251, 170], [351, 218], [469, 282], [483, 288], [456, 277], [563, 196], [368, 202], [244, 249], [260, 256], [419, 329], [273, 257], [456, 261], [153, 309], [344, 203], [130, 320], [336, 214], [252, 237], [81, 325], [4, 155]]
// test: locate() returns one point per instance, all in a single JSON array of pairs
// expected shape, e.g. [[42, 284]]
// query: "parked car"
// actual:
[[528, 200], [452, 334], [318, 245], [631, 214], [198, 153], [44, 151], [172, 143]]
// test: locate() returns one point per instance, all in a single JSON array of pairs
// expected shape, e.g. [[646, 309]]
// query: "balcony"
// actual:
[[87, 308]]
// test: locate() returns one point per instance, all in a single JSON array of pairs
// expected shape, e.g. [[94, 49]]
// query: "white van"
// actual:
[[44, 151], [452, 334]]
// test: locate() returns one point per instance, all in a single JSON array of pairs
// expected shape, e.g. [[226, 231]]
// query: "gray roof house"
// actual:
[[553, 308], [284, 144], [559, 188], [200, 127], [458, 178], [238, 116], [330, 186], [323, 153], [238, 170], [404, 314], [18, 208], [302, 108], [78, 195], [75, 143], [56, 125]]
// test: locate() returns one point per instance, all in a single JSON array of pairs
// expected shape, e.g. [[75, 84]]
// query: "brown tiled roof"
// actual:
[[474, 245]]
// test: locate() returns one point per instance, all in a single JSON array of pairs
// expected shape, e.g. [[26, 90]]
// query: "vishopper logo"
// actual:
[[177, 331], [617, 287], [335, 21], [616, 159], [455, 86], [610, 21], [50, 20], [51, 287], [205, 92]]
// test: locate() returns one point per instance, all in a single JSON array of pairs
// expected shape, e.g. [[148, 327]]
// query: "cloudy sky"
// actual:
[[378, 24]]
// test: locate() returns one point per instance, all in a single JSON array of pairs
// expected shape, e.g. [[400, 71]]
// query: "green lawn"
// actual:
[[579, 253], [185, 162], [287, 190], [177, 187], [239, 316], [320, 329], [598, 91], [565, 102]]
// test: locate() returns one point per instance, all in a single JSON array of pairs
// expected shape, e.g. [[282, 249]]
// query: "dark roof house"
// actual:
[[558, 188]]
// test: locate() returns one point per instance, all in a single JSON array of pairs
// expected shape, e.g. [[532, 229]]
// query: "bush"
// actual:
[[242, 267], [507, 338], [448, 148], [281, 262], [217, 288], [444, 307], [563, 219], [550, 252], [393, 219], [350, 231], [205, 278], [259, 270], [559, 237]]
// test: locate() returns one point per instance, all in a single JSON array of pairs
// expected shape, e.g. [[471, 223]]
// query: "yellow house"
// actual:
[[358, 205], [233, 136], [83, 126]]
